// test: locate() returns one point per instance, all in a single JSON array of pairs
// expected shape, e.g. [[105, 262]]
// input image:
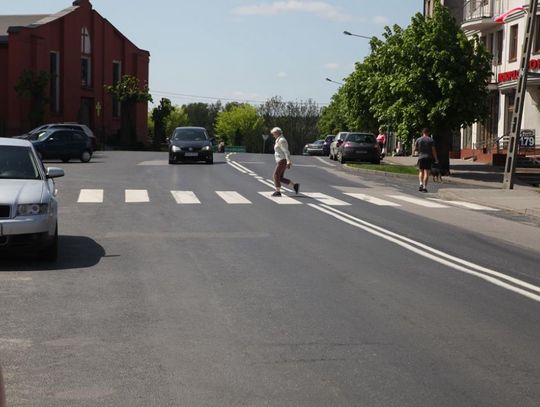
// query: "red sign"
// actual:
[[534, 65]]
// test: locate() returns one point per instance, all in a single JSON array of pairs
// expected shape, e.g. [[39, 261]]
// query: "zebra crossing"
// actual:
[[395, 200]]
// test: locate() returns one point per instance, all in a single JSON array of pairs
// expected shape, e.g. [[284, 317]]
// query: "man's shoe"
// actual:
[[421, 188], [277, 193], [424, 189], [296, 188]]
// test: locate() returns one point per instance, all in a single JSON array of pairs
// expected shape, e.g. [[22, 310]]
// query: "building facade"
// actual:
[[81, 52], [486, 141]]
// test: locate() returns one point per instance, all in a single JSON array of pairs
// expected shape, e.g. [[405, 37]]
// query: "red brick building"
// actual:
[[82, 52]]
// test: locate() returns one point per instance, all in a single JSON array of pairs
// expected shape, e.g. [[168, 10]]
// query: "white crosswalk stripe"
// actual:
[[281, 200], [371, 199], [136, 196], [90, 196], [418, 201], [467, 205], [185, 197], [326, 199], [233, 197]]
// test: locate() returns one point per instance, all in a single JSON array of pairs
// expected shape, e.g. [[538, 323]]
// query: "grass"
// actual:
[[397, 169]]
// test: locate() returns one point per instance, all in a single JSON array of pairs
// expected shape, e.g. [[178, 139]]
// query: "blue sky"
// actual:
[[246, 50]]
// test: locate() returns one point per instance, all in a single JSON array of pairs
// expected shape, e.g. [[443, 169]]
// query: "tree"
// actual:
[[297, 119], [159, 116], [128, 91], [333, 119], [177, 118], [241, 126], [32, 85], [427, 75]]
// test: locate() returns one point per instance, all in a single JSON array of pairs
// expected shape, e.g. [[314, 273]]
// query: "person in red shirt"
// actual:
[[381, 141]]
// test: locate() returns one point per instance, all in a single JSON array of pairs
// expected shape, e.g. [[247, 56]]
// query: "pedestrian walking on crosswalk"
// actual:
[[283, 162]]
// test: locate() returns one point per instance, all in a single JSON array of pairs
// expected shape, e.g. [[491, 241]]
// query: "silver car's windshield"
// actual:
[[18, 163]]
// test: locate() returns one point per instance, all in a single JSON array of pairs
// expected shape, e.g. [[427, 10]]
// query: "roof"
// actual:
[[4, 141], [32, 20], [18, 21]]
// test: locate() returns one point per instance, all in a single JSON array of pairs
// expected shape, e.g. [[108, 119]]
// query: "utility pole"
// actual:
[[510, 167]]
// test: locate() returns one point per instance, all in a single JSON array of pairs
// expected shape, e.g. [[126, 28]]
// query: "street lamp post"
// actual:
[[357, 35], [330, 80]]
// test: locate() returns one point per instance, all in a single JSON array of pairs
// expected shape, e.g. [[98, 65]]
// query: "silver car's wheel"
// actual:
[[86, 156], [50, 253]]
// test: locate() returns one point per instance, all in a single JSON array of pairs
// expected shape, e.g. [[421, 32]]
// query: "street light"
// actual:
[[356, 35], [330, 80]]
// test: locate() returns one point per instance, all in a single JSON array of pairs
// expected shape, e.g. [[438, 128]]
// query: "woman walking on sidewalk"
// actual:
[[283, 162]]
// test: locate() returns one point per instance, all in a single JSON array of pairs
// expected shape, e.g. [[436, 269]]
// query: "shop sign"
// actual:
[[534, 65]]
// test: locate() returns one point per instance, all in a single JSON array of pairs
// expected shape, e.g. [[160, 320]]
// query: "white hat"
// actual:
[[276, 130]]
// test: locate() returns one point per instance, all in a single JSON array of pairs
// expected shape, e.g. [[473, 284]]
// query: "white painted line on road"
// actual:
[[326, 199], [494, 277], [137, 196], [281, 200], [467, 205], [90, 196], [244, 168], [418, 201], [233, 197], [185, 197], [371, 199], [305, 165], [236, 167], [325, 162]]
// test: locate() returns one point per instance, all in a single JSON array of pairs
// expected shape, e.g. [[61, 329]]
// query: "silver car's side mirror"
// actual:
[[54, 172]]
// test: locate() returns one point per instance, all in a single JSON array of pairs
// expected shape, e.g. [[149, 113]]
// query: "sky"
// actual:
[[244, 50]]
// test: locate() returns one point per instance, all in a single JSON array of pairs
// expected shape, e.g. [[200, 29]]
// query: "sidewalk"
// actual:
[[484, 187]]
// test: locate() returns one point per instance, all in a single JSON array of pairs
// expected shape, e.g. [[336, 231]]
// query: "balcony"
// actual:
[[479, 15]]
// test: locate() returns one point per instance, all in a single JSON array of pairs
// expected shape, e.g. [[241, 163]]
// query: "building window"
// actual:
[[86, 47], [536, 44], [499, 47], [512, 56], [54, 83], [86, 72], [116, 75]]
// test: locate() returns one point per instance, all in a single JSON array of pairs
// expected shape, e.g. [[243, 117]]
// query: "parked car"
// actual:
[[359, 147], [326, 145], [63, 144], [33, 134], [190, 144], [28, 205], [336, 143], [315, 148]]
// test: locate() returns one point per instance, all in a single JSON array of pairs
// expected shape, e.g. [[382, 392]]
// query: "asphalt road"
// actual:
[[197, 299]]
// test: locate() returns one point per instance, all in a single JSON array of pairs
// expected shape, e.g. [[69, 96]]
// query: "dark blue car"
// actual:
[[63, 144]]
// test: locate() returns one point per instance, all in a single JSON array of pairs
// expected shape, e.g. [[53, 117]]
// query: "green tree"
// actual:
[[159, 116], [128, 91], [241, 125], [177, 118], [33, 85], [297, 119], [333, 119], [429, 74]]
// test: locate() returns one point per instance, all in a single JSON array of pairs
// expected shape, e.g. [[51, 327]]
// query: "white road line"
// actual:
[[371, 199], [418, 201], [233, 197], [467, 205], [185, 197], [281, 200], [325, 162], [326, 199], [244, 168], [236, 167], [494, 277], [90, 196], [137, 196]]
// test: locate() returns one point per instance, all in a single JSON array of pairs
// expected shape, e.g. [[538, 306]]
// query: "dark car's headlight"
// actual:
[[32, 209], [206, 148], [175, 149]]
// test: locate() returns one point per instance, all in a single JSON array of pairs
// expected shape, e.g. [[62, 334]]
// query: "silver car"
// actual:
[[28, 205]]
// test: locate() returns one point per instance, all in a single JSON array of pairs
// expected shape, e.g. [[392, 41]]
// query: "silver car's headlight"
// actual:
[[175, 149], [206, 148], [32, 209]]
